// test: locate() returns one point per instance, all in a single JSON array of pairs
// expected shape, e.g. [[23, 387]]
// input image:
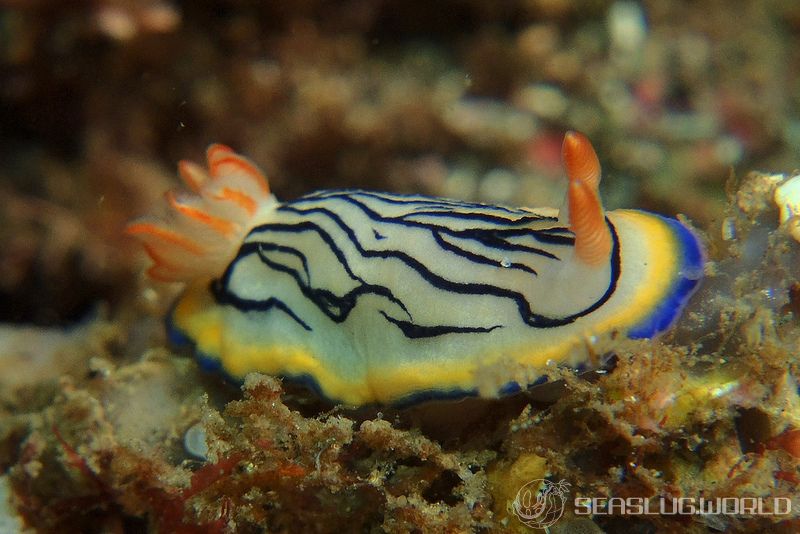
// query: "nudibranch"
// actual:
[[385, 298]]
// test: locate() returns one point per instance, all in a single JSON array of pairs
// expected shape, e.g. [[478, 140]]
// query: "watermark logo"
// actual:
[[540, 503], [736, 506]]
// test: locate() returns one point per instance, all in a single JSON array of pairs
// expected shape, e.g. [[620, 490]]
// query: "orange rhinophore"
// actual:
[[580, 159], [586, 217]]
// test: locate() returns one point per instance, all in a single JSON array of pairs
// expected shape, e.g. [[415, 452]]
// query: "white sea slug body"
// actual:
[[374, 297]]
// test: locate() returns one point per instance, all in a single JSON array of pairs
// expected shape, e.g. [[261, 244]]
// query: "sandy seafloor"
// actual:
[[693, 110]]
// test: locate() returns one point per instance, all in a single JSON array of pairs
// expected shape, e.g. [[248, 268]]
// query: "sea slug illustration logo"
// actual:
[[540, 503]]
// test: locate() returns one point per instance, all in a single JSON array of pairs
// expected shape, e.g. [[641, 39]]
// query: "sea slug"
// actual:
[[384, 298]]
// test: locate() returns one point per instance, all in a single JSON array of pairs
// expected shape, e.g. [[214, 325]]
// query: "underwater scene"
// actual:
[[460, 266]]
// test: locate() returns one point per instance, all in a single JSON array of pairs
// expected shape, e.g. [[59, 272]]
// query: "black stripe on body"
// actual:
[[491, 237], [412, 330], [223, 296], [496, 228]]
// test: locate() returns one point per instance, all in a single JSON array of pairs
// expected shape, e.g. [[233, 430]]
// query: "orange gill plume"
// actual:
[[206, 225], [586, 217]]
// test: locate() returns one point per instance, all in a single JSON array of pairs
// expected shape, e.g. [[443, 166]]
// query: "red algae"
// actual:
[[788, 440]]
